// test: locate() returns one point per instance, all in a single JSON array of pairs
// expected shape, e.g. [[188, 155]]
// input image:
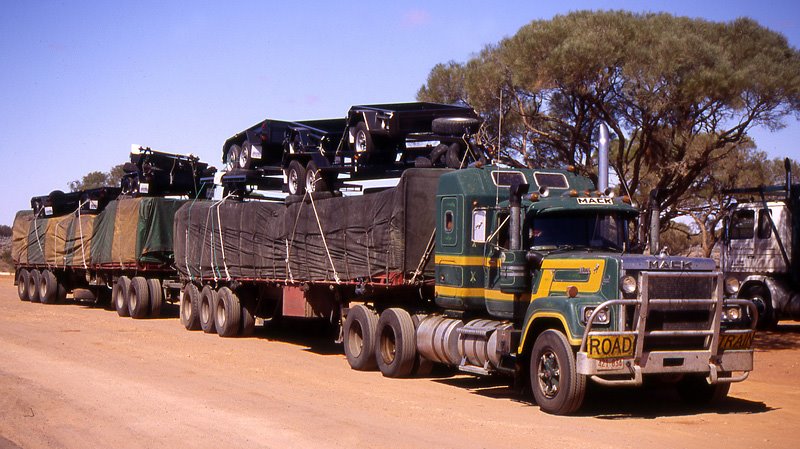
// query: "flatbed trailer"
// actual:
[[108, 245]]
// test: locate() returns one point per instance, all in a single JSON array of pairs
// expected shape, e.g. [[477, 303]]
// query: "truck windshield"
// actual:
[[590, 230]]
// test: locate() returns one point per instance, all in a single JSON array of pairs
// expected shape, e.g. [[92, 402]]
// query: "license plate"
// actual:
[[609, 364], [610, 347], [735, 341]]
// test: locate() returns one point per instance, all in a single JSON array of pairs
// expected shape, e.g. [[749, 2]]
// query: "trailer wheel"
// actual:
[[316, 181], [156, 294], [120, 296], [190, 306], [296, 178], [208, 303], [360, 330], [138, 298], [33, 285], [396, 347], [695, 390], [455, 126], [760, 296], [555, 382], [228, 313], [362, 143], [48, 288], [232, 157], [245, 153], [22, 284]]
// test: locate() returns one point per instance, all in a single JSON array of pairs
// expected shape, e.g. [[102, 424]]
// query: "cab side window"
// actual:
[[764, 225], [742, 224]]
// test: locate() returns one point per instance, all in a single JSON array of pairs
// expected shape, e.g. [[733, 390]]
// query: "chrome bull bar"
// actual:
[[718, 365]]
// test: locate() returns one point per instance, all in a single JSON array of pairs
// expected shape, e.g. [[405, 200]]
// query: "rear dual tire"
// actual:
[[227, 313], [396, 344], [23, 277], [190, 307]]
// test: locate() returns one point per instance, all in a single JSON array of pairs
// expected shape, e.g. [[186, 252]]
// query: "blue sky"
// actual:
[[81, 81]]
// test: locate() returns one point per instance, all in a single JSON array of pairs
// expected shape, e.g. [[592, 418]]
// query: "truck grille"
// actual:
[[686, 312], [680, 287]]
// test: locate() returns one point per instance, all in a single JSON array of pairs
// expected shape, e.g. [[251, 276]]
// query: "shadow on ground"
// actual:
[[647, 402]]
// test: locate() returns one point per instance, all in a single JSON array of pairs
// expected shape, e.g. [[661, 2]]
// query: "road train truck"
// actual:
[[494, 271]]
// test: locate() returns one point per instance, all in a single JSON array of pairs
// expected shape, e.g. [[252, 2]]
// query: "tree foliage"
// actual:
[[95, 179], [679, 94]]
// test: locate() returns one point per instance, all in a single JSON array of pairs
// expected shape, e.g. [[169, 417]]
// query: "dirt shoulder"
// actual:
[[75, 376]]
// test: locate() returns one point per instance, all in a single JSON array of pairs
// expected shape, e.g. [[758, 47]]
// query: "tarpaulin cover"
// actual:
[[78, 246], [19, 237], [364, 236], [135, 230]]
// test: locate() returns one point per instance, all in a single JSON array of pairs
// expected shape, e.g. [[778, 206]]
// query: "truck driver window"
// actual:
[[742, 224], [590, 230], [764, 226]]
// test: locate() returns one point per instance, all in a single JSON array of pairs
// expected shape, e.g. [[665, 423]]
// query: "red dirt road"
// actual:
[[75, 377]]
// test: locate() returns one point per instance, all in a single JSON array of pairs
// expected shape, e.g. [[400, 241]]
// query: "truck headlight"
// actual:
[[732, 286], [628, 285], [602, 316], [731, 313]]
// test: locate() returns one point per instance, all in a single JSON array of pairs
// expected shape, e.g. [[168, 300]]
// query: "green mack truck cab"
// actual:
[[535, 278]]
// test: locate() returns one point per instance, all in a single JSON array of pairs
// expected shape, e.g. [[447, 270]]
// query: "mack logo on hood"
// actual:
[[595, 201], [670, 264]]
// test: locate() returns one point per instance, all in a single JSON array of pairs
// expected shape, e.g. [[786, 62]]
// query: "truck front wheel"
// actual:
[[555, 382], [760, 296], [360, 329]]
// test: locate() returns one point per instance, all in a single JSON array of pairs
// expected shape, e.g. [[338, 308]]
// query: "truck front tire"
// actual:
[[555, 382], [760, 296], [396, 346], [360, 330]]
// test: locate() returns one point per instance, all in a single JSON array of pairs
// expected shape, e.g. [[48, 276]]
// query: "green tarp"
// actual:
[[129, 231], [344, 238]]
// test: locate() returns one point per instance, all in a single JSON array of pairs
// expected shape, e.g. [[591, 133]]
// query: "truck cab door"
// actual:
[[768, 256]]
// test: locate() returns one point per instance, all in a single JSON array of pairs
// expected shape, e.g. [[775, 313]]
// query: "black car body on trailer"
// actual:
[[371, 141]]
